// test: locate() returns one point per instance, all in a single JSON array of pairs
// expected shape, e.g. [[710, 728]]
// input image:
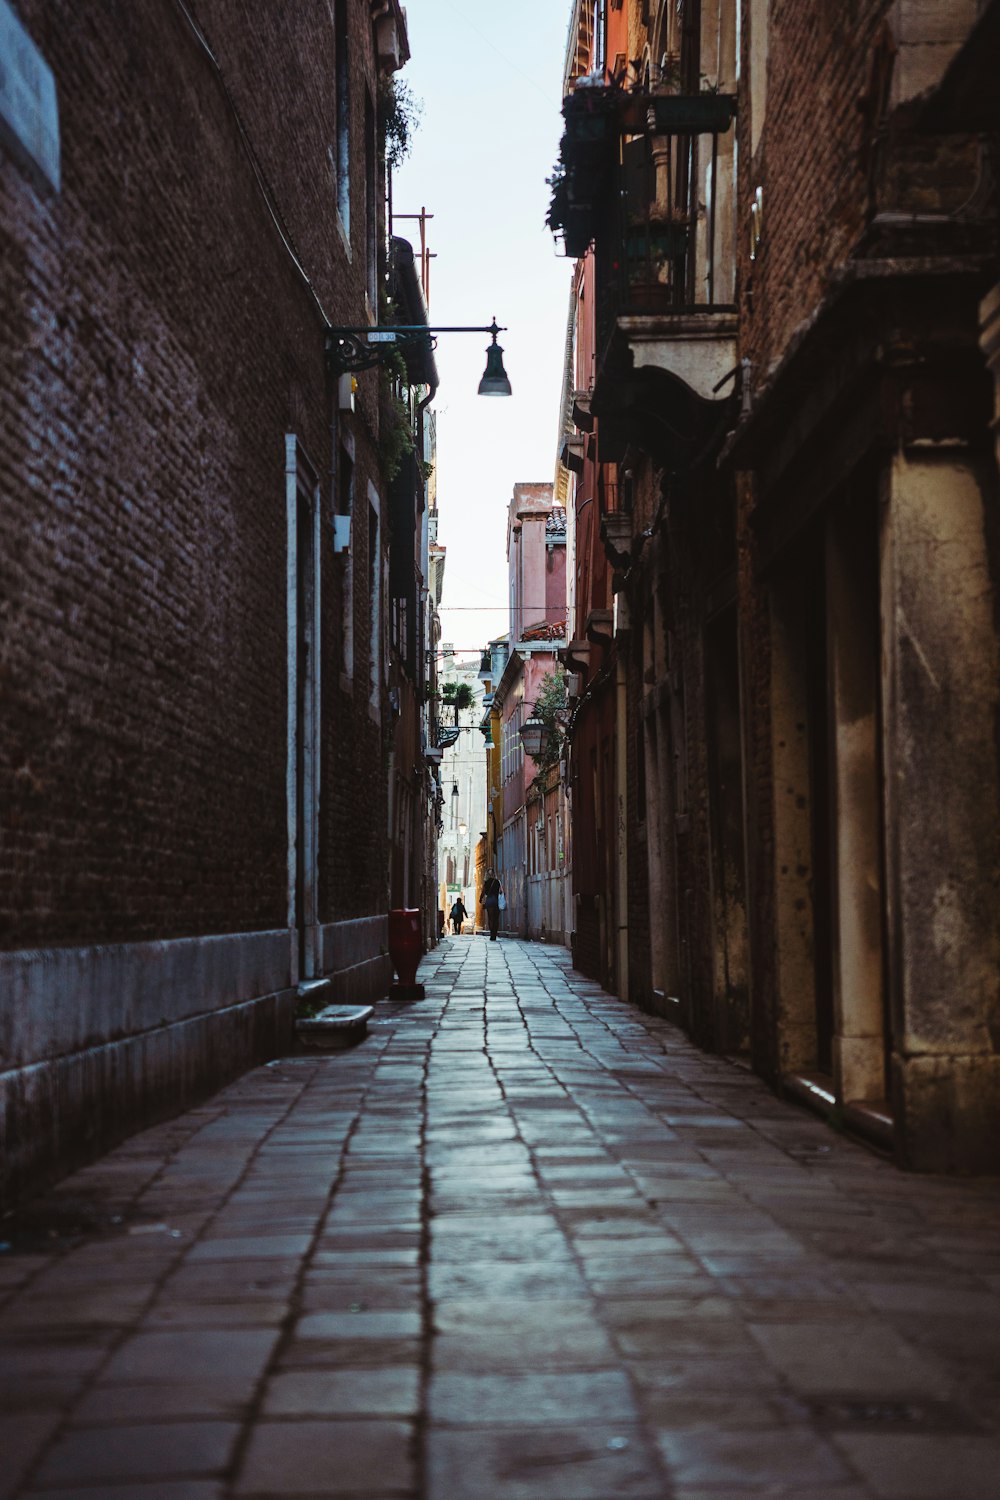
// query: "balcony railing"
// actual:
[[648, 179], [668, 245]]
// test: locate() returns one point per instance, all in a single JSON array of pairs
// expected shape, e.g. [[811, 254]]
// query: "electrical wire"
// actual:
[[461, 14], [266, 192]]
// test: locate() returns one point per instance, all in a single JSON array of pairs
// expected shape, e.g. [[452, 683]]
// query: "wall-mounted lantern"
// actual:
[[534, 735]]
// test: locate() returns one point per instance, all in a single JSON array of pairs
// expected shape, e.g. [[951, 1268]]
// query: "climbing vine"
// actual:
[[399, 115], [550, 705]]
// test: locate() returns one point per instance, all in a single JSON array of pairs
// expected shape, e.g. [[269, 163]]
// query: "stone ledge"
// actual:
[[58, 1114], [68, 1000]]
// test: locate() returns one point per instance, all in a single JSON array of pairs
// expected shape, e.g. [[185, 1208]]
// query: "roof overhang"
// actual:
[[391, 40]]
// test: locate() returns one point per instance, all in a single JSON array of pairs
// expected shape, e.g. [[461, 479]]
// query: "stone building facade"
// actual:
[[789, 223], [525, 818], [463, 783], [199, 667], [491, 667]]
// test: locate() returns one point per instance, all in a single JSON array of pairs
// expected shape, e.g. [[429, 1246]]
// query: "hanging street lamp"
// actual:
[[494, 381], [351, 349]]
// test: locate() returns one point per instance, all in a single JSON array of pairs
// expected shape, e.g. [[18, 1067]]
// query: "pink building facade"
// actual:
[[536, 559]]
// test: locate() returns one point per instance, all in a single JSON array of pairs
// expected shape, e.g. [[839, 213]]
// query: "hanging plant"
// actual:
[[575, 221], [558, 208], [396, 437], [550, 707], [459, 695], [399, 115]]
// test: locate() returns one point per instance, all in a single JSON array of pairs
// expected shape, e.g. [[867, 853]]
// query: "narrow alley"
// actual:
[[523, 1243]]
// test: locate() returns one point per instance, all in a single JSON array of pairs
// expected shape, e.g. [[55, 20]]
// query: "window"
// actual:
[[371, 204], [400, 632], [511, 750], [343, 117]]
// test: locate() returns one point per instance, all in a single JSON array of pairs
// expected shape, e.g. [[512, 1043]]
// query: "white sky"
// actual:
[[489, 77]]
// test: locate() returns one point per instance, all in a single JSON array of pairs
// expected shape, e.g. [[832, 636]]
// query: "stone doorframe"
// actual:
[[302, 493]]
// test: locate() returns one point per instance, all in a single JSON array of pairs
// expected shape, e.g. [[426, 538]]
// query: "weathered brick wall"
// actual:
[[280, 67], [156, 344], [840, 146], [810, 163]]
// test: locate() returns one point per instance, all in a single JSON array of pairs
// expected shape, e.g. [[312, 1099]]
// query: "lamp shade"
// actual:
[[494, 381], [533, 737]]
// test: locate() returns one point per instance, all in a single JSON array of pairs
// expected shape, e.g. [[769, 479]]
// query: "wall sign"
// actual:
[[29, 111]]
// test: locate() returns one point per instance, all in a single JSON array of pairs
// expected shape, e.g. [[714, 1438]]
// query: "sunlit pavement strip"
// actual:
[[524, 1243]]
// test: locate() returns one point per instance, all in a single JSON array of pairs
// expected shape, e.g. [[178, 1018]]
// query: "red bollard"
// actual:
[[405, 950]]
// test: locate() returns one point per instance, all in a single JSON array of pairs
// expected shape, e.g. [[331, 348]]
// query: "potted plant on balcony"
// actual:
[[655, 261], [593, 114], [574, 218]]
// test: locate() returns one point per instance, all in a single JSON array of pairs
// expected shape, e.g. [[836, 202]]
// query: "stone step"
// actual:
[[335, 1026]]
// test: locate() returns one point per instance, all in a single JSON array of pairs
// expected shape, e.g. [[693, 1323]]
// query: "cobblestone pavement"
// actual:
[[524, 1243]]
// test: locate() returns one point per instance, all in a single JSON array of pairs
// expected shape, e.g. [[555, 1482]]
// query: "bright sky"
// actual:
[[490, 79]]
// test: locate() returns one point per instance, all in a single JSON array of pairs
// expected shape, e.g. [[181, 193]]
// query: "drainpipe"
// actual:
[[430, 914], [422, 405]]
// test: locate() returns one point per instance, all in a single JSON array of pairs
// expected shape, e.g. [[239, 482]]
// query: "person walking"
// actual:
[[491, 898], [458, 915]]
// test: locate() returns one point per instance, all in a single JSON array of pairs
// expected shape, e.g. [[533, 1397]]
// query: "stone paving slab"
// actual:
[[593, 1462], [524, 1243]]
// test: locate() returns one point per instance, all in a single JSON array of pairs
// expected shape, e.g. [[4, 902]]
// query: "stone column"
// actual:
[[795, 986], [941, 696], [621, 831], [648, 727], [858, 1043]]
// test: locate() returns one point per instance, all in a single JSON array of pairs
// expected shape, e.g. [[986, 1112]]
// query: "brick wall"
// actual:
[[280, 68], [157, 343], [810, 163], [839, 147]]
